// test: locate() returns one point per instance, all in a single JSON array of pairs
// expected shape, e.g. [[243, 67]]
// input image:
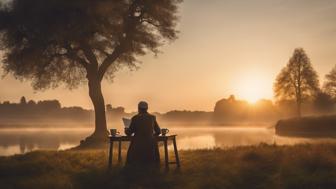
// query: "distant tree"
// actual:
[[323, 102], [31, 103], [119, 110], [109, 108], [286, 108], [54, 42], [23, 101], [115, 111], [263, 103], [47, 105], [330, 83], [231, 109], [6, 103], [298, 80]]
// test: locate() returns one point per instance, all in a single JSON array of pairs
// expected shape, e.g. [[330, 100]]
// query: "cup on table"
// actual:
[[114, 132], [164, 131]]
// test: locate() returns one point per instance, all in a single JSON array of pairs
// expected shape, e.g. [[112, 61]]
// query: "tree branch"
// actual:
[[130, 23], [150, 22], [89, 54], [73, 55], [108, 61]]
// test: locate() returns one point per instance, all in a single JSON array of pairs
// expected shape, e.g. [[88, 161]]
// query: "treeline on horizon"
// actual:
[[227, 111]]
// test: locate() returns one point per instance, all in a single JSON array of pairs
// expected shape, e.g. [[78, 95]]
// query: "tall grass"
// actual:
[[263, 166]]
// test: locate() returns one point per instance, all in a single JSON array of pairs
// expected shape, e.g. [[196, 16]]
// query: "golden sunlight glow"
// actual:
[[252, 88], [236, 50]]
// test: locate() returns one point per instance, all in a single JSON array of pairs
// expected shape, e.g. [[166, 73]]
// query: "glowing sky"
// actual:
[[225, 47]]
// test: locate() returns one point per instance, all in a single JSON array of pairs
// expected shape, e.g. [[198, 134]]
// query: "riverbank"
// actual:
[[310, 126], [263, 166]]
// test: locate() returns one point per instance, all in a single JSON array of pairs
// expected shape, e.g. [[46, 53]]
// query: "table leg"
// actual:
[[166, 153], [110, 155], [119, 152], [176, 153]]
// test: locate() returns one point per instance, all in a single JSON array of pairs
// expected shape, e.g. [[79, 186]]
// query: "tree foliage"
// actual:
[[330, 83], [297, 80], [53, 42], [323, 102]]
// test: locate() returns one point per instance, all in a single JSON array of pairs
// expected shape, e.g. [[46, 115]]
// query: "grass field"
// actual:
[[264, 166]]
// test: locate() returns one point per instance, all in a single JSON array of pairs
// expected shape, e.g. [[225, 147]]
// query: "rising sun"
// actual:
[[252, 89]]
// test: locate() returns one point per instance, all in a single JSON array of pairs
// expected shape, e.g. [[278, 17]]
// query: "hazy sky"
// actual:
[[225, 47]]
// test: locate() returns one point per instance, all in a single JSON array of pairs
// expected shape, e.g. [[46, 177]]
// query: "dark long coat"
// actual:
[[143, 149]]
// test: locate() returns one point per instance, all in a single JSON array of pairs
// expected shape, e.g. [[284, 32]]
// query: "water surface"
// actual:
[[16, 141]]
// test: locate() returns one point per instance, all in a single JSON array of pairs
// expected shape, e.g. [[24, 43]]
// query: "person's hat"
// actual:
[[143, 105]]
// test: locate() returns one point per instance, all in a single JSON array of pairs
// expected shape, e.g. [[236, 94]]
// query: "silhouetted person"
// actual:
[[143, 149]]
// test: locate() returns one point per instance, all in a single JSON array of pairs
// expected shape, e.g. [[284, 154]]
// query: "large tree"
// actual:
[[297, 81], [71, 42], [330, 83]]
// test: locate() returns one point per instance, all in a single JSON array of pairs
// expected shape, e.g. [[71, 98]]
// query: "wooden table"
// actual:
[[163, 139]]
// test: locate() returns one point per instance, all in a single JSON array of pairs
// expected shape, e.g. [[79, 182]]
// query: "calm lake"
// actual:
[[16, 141]]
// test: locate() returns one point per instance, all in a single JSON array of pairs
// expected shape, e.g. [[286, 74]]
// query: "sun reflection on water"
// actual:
[[196, 142], [18, 141]]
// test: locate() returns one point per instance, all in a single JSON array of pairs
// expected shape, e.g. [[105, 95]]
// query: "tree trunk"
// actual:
[[299, 95], [97, 99], [298, 103]]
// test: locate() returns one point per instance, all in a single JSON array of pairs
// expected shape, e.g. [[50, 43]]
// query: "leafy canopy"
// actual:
[[298, 80], [330, 83], [53, 42]]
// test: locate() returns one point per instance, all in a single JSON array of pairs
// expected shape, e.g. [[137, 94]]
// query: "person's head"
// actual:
[[142, 107]]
